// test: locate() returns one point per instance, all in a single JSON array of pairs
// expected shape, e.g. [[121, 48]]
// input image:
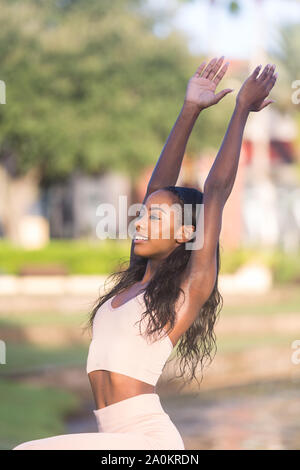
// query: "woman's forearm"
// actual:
[[223, 171], [168, 166]]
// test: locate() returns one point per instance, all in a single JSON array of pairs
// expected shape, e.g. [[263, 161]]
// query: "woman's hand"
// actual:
[[201, 88], [255, 89]]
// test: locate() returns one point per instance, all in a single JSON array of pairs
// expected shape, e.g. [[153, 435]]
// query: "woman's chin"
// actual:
[[141, 248]]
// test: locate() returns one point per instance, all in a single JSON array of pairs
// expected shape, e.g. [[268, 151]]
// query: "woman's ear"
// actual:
[[185, 233]]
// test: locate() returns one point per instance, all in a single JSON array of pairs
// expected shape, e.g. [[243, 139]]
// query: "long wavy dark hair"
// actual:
[[163, 290]]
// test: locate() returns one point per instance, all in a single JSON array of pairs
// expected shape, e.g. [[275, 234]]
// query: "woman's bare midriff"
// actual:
[[110, 387]]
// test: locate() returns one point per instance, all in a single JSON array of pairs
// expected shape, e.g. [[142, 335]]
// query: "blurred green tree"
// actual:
[[89, 86]]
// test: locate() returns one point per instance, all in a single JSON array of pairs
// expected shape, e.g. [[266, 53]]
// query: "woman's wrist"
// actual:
[[242, 107], [192, 107]]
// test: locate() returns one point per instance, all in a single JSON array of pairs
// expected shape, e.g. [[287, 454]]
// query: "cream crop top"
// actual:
[[118, 346]]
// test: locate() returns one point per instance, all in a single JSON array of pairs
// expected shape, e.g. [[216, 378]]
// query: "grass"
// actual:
[[32, 412], [28, 412], [26, 358], [243, 342], [265, 306], [45, 318]]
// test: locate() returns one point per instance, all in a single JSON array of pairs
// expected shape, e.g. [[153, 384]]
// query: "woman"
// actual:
[[171, 286]]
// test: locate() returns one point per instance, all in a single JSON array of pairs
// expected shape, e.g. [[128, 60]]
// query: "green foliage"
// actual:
[[285, 267], [89, 86], [234, 7], [79, 257], [231, 261]]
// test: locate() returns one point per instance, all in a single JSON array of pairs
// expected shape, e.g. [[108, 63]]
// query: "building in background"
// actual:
[[72, 207]]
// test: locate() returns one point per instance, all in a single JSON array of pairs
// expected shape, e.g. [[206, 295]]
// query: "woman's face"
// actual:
[[160, 220]]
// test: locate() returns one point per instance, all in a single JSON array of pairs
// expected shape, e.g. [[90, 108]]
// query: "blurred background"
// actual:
[[90, 91]]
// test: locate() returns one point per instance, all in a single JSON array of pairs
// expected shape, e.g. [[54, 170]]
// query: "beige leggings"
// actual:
[[137, 423]]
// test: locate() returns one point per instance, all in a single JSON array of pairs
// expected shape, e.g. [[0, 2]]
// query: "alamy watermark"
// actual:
[[295, 358], [2, 92], [2, 352], [157, 227], [296, 94]]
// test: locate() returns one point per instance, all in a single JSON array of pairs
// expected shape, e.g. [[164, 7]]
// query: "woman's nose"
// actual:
[[139, 225]]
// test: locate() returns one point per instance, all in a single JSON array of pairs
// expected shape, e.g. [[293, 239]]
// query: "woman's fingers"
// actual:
[[256, 71], [215, 68], [221, 74], [212, 68], [265, 103], [263, 73], [200, 69], [222, 93], [266, 73], [271, 82], [209, 69]]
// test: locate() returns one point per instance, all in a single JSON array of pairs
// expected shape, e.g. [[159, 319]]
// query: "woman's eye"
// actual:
[[138, 215]]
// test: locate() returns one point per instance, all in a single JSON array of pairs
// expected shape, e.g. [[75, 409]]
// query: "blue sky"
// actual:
[[216, 31]]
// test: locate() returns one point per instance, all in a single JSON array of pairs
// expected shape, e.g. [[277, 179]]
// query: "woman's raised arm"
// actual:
[[219, 182], [200, 94]]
